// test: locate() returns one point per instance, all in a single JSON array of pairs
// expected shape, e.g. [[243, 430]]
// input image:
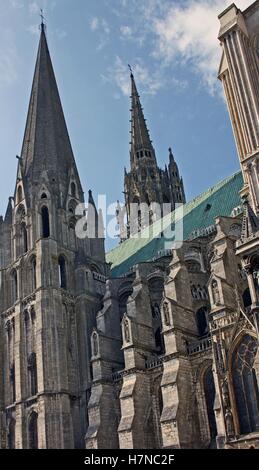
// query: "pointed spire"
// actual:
[[171, 156], [250, 223], [9, 211], [91, 199], [92, 217], [140, 139], [46, 145]]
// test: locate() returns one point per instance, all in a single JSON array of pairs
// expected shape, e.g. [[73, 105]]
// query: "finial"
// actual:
[[42, 20], [171, 157], [131, 72]]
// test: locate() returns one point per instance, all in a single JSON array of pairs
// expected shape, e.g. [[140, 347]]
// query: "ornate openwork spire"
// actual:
[[141, 144]]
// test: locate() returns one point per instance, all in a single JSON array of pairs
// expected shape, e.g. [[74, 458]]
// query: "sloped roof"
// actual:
[[199, 213]]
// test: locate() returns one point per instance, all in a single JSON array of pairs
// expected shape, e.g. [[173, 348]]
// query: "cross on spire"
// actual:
[[42, 20], [131, 72]]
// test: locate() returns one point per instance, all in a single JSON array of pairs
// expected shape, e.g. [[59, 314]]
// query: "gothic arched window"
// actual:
[[62, 272], [209, 390], [33, 273], [245, 372], [73, 189], [33, 431], [32, 368], [12, 382], [202, 322], [123, 298], [45, 222], [24, 239], [11, 434], [14, 286]]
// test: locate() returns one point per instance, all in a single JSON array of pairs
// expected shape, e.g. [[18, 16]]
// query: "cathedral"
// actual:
[[153, 345]]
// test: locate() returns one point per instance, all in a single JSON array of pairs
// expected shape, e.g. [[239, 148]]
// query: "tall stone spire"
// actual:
[[46, 148], [141, 144], [146, 182]]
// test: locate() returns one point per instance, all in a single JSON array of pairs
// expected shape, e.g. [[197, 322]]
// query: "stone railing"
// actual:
[[199, 346], [153, 362], [222, 319], [116, 376], [202, 232], [99, 277], [162, 254]]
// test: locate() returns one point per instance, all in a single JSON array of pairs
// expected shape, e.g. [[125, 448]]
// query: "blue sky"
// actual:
[[173, 49]]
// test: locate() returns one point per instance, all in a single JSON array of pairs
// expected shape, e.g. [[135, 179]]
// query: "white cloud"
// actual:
[[189, 34], [149, 82], [34, 8], [8, 58], [100, 26], [16, 4], [177, 32]]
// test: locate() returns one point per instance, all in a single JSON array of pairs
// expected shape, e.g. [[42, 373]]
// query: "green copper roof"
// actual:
[[198, 214]]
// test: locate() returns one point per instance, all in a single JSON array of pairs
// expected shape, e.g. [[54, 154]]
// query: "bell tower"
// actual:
[[51, 283], [146, 183]]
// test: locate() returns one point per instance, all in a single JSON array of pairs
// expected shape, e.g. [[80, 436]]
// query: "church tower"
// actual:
[[146, 182], [51, 283], [239, 73]]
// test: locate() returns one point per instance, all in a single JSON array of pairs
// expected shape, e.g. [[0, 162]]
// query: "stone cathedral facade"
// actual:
[[152, 345]]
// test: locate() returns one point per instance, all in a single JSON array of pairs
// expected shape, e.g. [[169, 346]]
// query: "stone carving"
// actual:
[[215, 292], [227, 407], [229, 423], [166, 313], [126, 331], [95, 344]]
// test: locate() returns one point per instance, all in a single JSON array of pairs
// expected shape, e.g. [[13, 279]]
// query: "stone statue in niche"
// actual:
[[166, 313], [156, 311], [215, 293], [256, 278], [229, 423], [95, 344], [219, 357], [126, 331], [225, 393], [227, 407]]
